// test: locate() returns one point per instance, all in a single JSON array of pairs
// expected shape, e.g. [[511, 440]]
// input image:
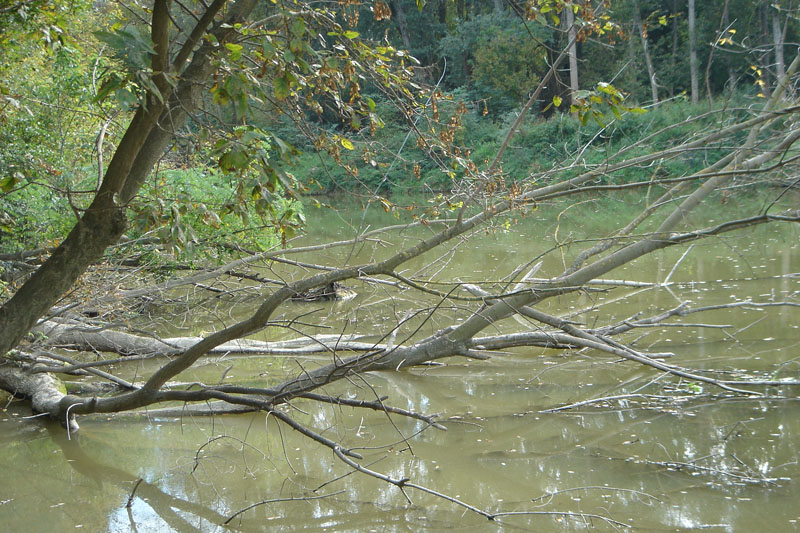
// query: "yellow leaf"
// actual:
[[557, 101], [347, 144]]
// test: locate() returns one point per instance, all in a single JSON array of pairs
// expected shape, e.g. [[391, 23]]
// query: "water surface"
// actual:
[[680, 456]]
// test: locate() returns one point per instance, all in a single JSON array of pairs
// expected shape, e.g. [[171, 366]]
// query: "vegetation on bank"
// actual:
[[539, 145], [66, 100]]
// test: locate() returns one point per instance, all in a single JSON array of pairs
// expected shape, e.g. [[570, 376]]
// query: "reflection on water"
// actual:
[[704, 460]]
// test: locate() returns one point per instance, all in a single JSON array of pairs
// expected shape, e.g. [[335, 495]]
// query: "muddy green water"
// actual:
[[707, 461]]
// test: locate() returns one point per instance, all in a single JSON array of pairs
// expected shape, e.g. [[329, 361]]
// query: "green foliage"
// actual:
[[510, 64], [47, 125], [129, 78], [187, 208], [308, 64], [322, 71], [497, 56]]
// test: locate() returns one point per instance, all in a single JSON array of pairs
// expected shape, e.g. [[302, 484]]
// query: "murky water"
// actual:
[[705, 460]]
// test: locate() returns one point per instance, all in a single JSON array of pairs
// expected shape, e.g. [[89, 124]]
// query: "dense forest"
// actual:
[[236, 232], [67, 88]]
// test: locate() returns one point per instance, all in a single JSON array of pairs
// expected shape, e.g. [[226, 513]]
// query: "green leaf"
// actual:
[[557, 101], [233, 160], [281, 88], [299, 27], [350, 34], [235, 49], [8, 183]]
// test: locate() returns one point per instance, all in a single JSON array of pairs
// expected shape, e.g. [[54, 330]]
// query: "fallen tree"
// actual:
[[761, 148], [766, 140]]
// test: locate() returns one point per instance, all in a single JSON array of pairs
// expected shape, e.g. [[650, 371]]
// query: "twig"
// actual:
[[404, 483], [99, 373], [677, 264], [602, 343], [607, 399], [133, 493], [550, 495], [605, 519], [278, 500]]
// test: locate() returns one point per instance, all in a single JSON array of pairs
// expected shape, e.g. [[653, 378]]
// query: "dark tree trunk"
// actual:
[[399, 15], [693, 54]]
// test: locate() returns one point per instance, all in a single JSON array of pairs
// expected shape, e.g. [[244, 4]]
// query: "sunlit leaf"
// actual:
[[235, 49]]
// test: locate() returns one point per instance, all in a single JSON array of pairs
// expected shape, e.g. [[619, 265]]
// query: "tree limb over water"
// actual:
[[455, 325]]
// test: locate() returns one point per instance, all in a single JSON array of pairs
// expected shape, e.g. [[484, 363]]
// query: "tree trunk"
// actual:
[[651, 71], [726, 22], [693, 54], [777, 36], [145, 140], [720, 31], [77, 335], [399, 15], [765, 80], [674, 53], [45, 391], [572, 32]]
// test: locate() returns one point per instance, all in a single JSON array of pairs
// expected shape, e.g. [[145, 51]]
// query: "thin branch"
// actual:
[[278, 500]]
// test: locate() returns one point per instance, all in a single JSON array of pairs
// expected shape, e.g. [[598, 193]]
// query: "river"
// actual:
[[658, 454]]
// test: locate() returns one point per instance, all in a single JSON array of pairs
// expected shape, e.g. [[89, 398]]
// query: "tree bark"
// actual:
[[720, 31], [75, 335], [695, 87], [45, 391], [726, 21], [651, 71], [777, 36], [674, 52], [572, 32], [765, 80]]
